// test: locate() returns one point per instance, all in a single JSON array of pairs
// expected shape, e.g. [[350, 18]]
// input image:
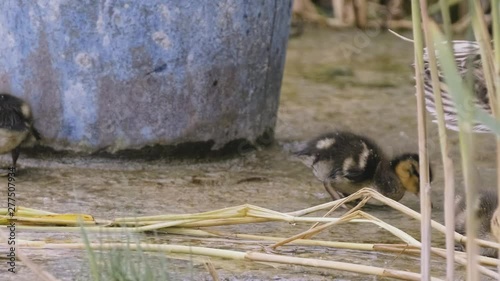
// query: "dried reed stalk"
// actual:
[[244, 256], [490, 65], [425, 206], [338, 9], [465, 108], [445, 14], [252, 214], [495, 11], [449, 181], [211, 269]]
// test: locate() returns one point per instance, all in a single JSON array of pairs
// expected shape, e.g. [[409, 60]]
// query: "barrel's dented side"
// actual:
[[126, 74]]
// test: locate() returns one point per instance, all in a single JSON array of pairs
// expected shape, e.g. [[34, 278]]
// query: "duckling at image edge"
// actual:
[[346, 162], [488, 202], [495, 225], [467, 57], [16, 126]]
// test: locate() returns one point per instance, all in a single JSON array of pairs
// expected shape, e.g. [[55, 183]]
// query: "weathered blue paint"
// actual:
[[115, 74]]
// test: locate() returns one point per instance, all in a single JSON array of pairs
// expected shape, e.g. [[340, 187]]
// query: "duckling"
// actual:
[[346, 162], [467, 59], [16, 126], [495, 225], [488, 203], [465, 52]]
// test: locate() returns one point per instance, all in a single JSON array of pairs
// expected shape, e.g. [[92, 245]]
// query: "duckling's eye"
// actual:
[[414, 171]]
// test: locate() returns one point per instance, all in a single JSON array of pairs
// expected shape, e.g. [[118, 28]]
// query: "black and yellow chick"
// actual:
[[16, 126], [488, 202], [346, 162]]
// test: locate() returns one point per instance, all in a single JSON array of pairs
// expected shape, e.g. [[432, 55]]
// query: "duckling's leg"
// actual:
[[15, 154], [333, 193], [459, 247]]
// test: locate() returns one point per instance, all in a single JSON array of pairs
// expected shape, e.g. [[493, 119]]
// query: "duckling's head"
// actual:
[[10, 102], [407, 170], [9, 99]]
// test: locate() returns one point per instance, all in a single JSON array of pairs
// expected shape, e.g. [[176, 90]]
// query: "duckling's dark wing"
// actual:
[[354, 175], [356, 157], [357, 175], [12, 119]]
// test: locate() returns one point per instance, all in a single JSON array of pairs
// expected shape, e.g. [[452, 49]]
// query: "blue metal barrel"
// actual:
[[123, 74]]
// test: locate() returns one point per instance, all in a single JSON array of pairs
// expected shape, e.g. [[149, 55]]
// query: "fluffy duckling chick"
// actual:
[[16, 126], [488, 203], [346, 162]]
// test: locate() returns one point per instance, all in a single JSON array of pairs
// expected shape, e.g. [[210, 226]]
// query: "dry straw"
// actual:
[[439, 48], [188, 225]]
